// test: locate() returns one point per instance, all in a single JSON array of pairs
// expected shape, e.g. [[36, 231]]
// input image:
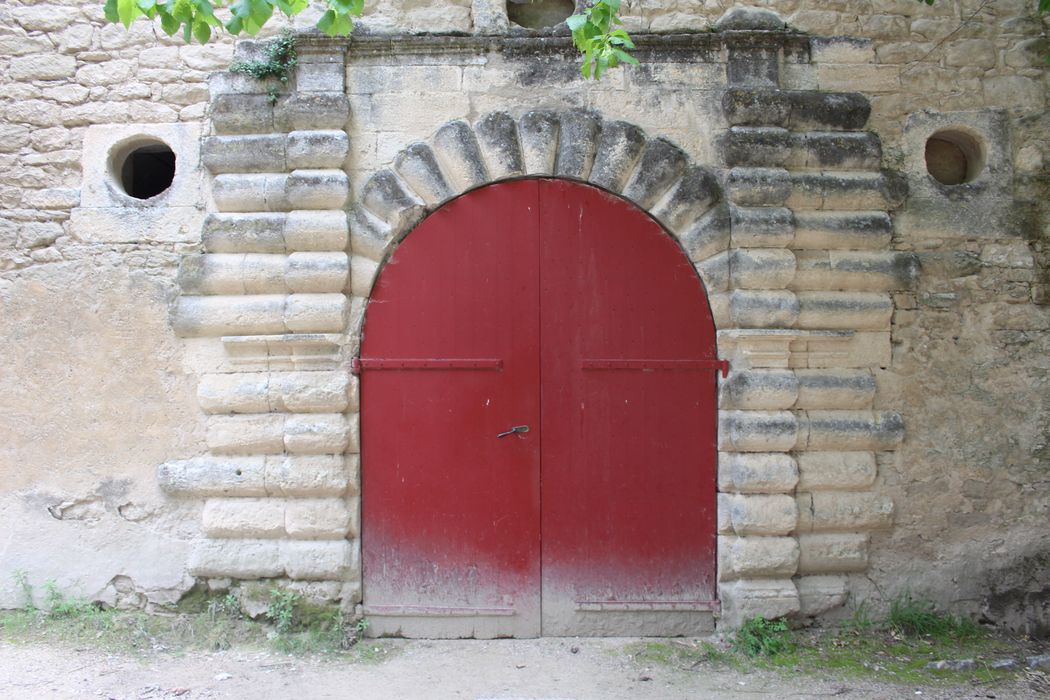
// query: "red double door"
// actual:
[[538, 423]]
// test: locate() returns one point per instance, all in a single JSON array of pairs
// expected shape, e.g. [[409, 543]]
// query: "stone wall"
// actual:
[[836, 338]]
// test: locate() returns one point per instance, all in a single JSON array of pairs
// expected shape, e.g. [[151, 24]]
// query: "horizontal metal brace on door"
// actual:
[[647, 606], [358, 364], [721, 365]]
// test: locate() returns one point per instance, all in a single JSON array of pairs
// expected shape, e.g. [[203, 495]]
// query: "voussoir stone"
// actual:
[[497, 135]]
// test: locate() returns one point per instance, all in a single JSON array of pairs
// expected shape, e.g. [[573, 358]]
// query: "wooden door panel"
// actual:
[[628, 451], [450, 512]]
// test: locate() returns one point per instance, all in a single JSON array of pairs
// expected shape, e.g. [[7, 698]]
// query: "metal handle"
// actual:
[[515, 429]]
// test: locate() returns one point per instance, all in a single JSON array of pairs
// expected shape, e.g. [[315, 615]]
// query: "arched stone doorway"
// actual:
[[551, 304]]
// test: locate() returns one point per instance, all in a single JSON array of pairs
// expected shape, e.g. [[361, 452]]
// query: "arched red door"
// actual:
[[538, 423]]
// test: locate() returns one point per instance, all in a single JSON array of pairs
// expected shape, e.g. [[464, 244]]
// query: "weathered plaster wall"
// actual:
[[90, 364]]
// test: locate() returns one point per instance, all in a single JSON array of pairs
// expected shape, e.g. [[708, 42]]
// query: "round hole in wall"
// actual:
[[143, 167], [954, 156], [539, 14]]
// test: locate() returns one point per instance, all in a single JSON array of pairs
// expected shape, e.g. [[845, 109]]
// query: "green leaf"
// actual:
[[334, 24], [625, 57], [201, 31], [576, 22], [110, 10], [169, 24], [128, 10]]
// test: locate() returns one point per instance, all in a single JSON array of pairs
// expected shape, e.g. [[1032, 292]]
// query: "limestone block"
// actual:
[[756, 146], [318, 560], [244, 154], [458, 152], [849, 191], [756, 557], [316, 273], [249, 192], [244, 233], [757, 472], [659, 166], [829, 471], [497, 135], [315, 313], [316, 231], [852, 230], [835, 388], [758, 187], [854, 430], [43, 66], [619, 148], [758, 514], [845, 310], [759, 389], [708, 236], [757, 431], [819, 594], [317, 149], [363, 273], [308, 475], [318, 433], [243, 517], [763, 309], [761, 268], [241, 114], [243, 559], [539, 141], [263, 392], [749, 18], [835, 150], [689, 199], [798, 110], [577, 144], [312, 111], [762, 227], [213, 476], [259, 314], [247, 434], [714, 272], [856, 270], [317, 518], [317, 189], [762, 597], [831, 511], [818, 110], [320, 77], [224, 273], [832, 553], [419, 168]]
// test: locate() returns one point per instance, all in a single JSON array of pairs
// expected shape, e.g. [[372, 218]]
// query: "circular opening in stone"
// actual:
[[144, 167], [954, 156], [539, 14]]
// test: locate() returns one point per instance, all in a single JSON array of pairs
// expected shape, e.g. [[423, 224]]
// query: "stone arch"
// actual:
[[651, 172]]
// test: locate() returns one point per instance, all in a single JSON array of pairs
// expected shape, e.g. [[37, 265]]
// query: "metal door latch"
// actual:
[[515, 429]]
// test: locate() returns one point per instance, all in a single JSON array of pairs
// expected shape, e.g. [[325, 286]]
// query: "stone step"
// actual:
[[257, 273], [799, 110], [776, 147], [260, 475], [259, 314]]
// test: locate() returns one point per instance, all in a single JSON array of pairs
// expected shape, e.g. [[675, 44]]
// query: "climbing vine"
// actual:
[[279, 59]]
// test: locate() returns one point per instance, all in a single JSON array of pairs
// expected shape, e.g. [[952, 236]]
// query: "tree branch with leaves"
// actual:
[[596, 31]]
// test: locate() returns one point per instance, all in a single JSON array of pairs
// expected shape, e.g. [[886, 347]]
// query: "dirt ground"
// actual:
[[407, 670]]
